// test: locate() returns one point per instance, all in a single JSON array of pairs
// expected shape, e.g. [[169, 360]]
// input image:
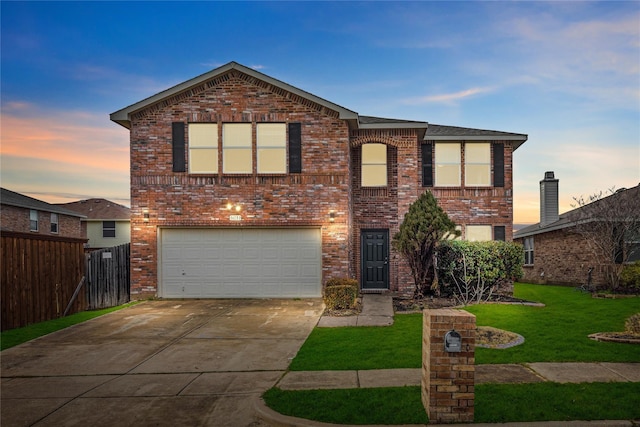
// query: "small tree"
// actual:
[[424, 225], [608, 222]]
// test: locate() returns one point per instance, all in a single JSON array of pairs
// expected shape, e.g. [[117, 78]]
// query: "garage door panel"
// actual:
[[240, 263]]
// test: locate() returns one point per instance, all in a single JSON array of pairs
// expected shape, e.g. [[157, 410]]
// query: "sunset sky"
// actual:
[[565, 73]]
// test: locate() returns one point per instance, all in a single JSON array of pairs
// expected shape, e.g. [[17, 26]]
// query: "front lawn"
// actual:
[[557, 332]]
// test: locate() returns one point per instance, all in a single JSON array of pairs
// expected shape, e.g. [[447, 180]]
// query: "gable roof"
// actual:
[[123, 116], [568, 219], [99, 209], [433, 132], [11, 198]]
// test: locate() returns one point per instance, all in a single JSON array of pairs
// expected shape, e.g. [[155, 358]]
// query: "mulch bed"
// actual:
[[405, 304]]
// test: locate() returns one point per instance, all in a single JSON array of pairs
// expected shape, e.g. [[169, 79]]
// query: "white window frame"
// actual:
[[55, 222], [373, 171], [203, 148], [271, 148], [528, 250], [33, 220], [477, 164], [237, 148], [448, 160]]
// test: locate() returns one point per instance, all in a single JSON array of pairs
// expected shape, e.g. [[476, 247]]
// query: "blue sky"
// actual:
[[565, 73]]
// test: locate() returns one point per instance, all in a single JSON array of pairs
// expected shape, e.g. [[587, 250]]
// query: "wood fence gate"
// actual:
[[108, 280]]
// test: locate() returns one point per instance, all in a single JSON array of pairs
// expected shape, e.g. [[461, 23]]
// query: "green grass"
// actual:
[[494, 403], [18, 336], [557, 332]]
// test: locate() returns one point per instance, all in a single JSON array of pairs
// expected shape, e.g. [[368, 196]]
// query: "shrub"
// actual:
[[630, 277], [472, 271], [632, 324], [340, 297], [342, 281]]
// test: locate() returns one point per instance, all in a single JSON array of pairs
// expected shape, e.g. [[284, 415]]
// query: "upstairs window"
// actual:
[[271, 142], [203, 148], [528, 251], [374, 165], [108, 229], [237, 154], [54, 222], [477, 164], [447, 162], [33, 220]]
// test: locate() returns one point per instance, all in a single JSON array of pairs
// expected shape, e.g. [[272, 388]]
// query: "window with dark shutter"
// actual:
[[177, 141], [498, 165], [108, 229], [427, 165], [499, 233], [295, 148]]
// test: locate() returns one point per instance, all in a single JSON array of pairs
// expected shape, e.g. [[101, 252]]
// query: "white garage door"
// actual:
[[240, 263]]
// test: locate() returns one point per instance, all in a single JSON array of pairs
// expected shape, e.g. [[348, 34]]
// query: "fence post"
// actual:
[[448, 374]]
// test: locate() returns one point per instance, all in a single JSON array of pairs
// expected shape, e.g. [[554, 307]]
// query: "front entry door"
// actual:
[[375, 259]]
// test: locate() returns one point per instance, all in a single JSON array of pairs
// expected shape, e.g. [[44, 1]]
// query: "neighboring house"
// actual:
[[555, 253], [24, 214], [245, 186], [107, 224]]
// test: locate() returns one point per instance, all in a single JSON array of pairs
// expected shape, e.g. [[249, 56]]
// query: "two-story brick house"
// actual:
[[245, 186]]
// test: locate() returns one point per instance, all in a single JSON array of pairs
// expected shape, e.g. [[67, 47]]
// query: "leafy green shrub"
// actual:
[[342, 281], [630, 277], [474, 270], [340, 297], [632, 324]]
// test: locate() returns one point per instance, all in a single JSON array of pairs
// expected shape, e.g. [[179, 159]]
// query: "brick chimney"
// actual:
[[548, 199]]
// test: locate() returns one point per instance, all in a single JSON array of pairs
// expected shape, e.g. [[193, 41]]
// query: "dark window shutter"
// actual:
[[177, 141], [427, 165], [295, 148], [499, 233], [498, 165]]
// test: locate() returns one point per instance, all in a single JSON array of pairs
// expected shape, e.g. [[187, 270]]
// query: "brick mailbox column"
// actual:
[[448, 377]]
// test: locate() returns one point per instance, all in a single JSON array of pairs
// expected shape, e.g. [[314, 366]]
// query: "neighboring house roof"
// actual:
[[433, 132], [11, 198], [99, 209], [568, 219]]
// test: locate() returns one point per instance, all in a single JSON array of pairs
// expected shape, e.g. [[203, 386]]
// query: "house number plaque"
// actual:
[[235, 217]]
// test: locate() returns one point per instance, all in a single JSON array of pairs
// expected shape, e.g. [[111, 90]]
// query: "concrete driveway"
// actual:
[[172, 362]]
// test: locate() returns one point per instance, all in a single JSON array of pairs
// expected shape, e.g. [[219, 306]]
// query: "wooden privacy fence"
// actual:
[[39, 275], [108, 281]]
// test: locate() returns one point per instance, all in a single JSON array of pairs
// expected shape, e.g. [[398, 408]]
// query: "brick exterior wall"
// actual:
[[17, 219], [562, 257], [184, 200], [448, 379], [330, 179]]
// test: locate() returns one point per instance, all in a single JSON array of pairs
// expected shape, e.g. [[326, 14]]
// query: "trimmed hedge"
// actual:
[[340, 293], [495, 263]]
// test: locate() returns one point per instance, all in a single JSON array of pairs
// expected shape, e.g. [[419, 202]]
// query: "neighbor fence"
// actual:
[[47, 277], [39, 277]]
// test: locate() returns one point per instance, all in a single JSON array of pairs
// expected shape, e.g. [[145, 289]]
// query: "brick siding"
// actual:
[[18, 219]]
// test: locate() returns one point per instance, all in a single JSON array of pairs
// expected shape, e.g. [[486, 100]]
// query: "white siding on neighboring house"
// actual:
[[95, 233]]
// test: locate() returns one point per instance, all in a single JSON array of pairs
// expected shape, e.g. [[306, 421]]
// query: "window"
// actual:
[[108, 229], [54, 222], [33, 220], [528, 251], [236, 148], [374, 165], [477, 164], [478, 233], [271, 141], [448, 164], [203, 148], [500, 233]]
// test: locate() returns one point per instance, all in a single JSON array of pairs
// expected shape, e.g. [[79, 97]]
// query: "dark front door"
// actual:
[[375, 259]]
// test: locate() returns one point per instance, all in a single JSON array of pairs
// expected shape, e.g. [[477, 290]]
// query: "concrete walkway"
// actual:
[[377, 310]]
